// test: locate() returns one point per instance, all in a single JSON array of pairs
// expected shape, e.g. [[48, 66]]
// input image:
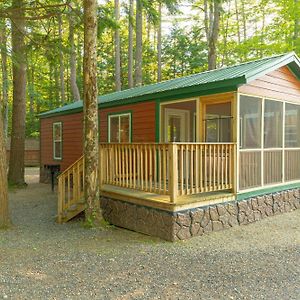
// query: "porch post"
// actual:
[[173, 172]]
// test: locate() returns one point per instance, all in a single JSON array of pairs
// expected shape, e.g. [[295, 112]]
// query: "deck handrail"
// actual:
[[171, 169], [71, 188]]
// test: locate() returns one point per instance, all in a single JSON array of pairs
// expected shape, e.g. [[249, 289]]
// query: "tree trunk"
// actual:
[[4, 213], [159, 44], [73, 73], [213, 33], [61, 62], [90, 109], [16, 162], [4, 104], [139, 43], [296, 23], [117, 48], [237, 21], [130, 45]]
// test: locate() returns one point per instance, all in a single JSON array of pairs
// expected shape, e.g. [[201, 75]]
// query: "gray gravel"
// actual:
[[40, 259]]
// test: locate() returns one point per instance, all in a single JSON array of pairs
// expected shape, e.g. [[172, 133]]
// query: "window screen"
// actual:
[[273, 124], [292, 125], [250, 122]]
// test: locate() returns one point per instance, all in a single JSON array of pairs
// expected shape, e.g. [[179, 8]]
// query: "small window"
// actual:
[[57, 140], [119, 128]]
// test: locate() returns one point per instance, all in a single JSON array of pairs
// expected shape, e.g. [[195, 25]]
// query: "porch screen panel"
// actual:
[[250, 122], [292, 125], [250, 169], [250, 142], [272, 166], [292, 164], [273, 124]]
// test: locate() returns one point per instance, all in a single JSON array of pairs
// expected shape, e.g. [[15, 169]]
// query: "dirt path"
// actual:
[[40, 259]]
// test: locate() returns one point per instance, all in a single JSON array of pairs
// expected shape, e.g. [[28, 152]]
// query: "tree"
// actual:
[[159, 43], [117, 47], [139, 44], [73, 74], [4, 106], [4, 213], [212, 9], [61, 61], [90, 109], [16, 162], [130, 45]]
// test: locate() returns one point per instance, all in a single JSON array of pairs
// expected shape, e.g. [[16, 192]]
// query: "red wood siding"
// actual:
[[143, 121], [279, 84], [72, 139], [143, 130]]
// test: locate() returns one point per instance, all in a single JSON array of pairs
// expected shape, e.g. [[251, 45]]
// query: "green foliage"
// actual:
[[248, 30]]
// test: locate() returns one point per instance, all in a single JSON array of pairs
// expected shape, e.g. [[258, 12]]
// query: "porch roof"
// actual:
[[208, 82]]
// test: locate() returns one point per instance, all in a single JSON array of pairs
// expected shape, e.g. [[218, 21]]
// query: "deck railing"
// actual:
[[174, 169], [169, 169], [70, 187]]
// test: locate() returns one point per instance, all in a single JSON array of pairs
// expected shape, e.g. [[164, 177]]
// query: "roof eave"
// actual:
[[290, 59]]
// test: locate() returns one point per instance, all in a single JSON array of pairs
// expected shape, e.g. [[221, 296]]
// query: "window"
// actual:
[[57, 140], [119, 128], [273, 124], [250, 122]]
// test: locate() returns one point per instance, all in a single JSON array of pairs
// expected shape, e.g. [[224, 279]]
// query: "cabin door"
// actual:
[[176, 125]]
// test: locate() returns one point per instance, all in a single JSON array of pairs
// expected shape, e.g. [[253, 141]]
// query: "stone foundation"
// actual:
[[185, 224]]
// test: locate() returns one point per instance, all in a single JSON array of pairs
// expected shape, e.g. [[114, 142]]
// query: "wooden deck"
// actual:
[[170, 177], [163, 201]]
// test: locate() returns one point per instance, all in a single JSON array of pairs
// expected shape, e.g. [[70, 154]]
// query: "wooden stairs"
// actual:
[[70, 192]]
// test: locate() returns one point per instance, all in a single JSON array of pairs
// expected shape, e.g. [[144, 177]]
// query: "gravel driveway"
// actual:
[[40, 259]]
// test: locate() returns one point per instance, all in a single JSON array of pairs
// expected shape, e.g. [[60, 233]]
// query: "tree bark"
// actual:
[[139, 43], [73, 72], [16, 162], [130, 45], [4, 104], [90, 109], [117, 48], [4, 212], [61, 62], [296, 23], [159, 44], [212, 26]]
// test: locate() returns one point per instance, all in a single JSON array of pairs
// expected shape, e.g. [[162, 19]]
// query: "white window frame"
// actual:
[[119, 116], [55, 141]]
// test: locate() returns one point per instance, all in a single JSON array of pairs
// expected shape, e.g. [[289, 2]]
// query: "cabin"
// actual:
[[189, 155], [32, 151]]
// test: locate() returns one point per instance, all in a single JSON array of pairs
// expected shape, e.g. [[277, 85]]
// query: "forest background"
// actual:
[[139, 42]]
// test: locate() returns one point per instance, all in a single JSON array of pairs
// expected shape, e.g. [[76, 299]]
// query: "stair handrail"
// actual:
[[70, 178]]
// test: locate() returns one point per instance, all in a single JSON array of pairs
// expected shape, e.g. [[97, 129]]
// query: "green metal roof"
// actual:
[[219, 80]]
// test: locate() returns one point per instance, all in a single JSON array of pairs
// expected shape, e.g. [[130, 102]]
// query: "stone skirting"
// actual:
[[185, 224]]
